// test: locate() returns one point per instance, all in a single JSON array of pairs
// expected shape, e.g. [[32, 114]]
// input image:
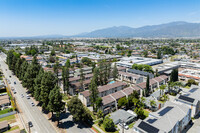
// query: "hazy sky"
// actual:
[[68, 17]]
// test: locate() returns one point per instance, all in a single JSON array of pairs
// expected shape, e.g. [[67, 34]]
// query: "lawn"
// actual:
[[146, 113], [5, 111], [8, 118], [131, 125], [12, 128], [96, 129], [187, 87]]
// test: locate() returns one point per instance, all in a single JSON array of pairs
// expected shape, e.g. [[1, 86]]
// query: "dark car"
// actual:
[[30, 124], [15, 83]]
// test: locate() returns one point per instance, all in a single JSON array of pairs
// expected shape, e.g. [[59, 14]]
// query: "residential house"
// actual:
[[172, 118]]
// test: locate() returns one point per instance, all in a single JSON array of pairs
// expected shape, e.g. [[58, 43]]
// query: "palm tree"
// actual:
[[135, 102], [162, 88], [152, 103]]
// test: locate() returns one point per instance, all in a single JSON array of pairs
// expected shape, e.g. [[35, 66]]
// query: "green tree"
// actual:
[[122, 102], [100, 114], [30, 75], [174, 75], [86, 61], [93, 93], [37, 86], [99, 103], [53, 53], [82, 78], [147, 86], [115, 72], [191, 82], [76, 108], [129, 53], [109, 125], [65, 78], [152, 103], [23, 69], [47, 84], [140, 113], [55, 103], [159, 55], [67, 64], [145, 53], [162, 88]]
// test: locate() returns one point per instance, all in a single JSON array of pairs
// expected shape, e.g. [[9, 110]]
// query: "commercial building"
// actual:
[[166, 68], [129, 61], [141, 73], [187, 74]]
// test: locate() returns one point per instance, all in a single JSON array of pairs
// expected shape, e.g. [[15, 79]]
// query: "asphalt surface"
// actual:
[[31, 113]]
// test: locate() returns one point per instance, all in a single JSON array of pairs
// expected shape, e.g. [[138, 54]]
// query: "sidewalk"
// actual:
[[98, 128]]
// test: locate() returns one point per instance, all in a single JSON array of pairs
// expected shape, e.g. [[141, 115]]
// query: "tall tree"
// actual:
[[147, 86], [76, 108], [56, 70], [47, 84], [37, 86], [159, 55], [174, 75], [82, 78], [101, 73], [67, 64], [55, 103], [93, 93], [23, 69], [30, 75], [115, 72], [96, 75], [65, 78]]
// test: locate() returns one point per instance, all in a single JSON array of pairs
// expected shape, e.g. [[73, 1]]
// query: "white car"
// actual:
[[124, 126], [22, 95], [27, 96]]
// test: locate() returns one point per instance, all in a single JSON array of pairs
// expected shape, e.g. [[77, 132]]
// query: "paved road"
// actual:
[[71, 127], [40, 123]]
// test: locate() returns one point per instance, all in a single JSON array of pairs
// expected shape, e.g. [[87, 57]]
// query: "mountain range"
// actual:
[[178, 29], [168, 30]]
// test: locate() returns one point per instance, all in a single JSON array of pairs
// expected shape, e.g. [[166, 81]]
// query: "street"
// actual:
[[33, 114]]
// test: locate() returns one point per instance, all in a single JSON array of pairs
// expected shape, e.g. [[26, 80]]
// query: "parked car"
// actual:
[[22, 95], [27, 96], [14, 92], [32, 104], [30, 124], [124, 126]]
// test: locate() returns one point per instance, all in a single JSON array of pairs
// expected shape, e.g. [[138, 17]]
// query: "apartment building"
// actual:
[[172, 118]]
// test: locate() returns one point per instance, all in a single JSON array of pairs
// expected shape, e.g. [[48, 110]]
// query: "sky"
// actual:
[[20, 18]]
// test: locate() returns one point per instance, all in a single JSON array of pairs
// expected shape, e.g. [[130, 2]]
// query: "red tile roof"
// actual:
[[110, 86], [107, 99], [117, 95], [85, 93]]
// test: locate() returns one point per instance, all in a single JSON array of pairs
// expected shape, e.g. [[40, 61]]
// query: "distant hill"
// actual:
[[168, 30]]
